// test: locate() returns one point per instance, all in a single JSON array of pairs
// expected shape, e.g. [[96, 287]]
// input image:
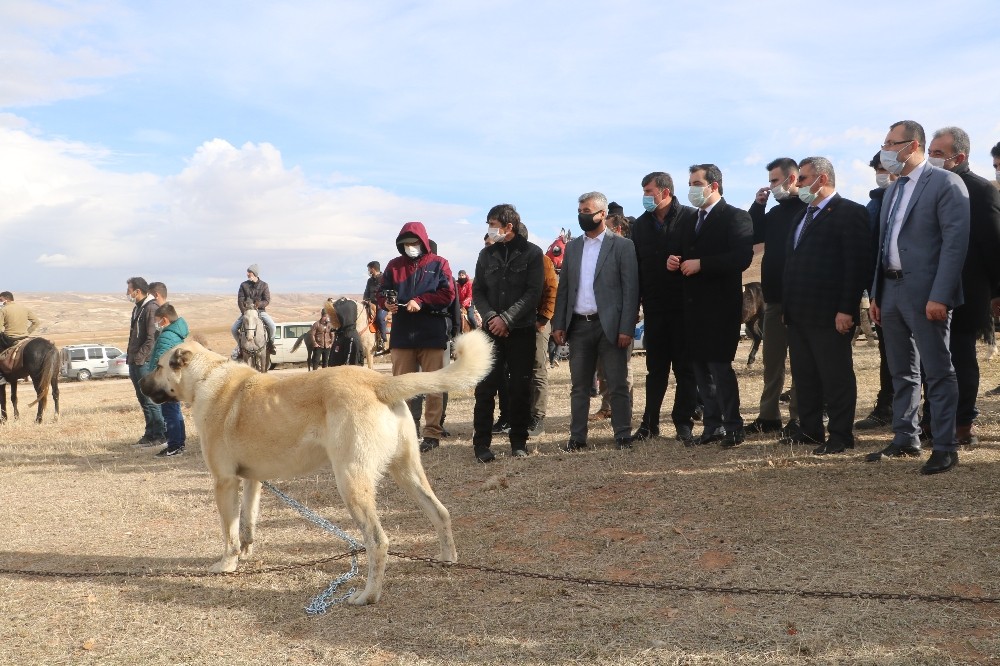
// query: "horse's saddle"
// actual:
[[12, 358]]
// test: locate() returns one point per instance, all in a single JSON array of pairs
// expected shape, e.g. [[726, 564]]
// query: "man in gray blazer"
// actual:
[[596, 306], [924, 232]]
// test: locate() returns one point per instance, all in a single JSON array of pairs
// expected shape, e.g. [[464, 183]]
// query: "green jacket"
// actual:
[[169, 337]]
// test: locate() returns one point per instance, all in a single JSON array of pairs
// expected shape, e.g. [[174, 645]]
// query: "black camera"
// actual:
[[390, 297]]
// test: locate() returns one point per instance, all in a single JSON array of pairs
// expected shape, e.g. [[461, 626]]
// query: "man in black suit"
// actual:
[[656, 235], [828, 262], [980, 274], [715, 251]]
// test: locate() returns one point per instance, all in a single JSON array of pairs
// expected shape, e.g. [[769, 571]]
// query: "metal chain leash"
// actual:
[[321, 602]]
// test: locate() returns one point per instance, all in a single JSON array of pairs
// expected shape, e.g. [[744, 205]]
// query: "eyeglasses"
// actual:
[[890, 144]]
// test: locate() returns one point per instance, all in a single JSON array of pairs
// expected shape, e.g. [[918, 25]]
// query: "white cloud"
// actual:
[[227, 208]]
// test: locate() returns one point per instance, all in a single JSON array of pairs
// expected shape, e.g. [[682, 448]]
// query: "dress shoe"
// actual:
[[965, 436], [894, 451], [792, 428], [484, 455], [710, 437], [940, 461], [623, 443], [831, 448], [644, 433], [733, 439], [428, 444], [684, 434], [761, 426], [881, 416], [573, 445]]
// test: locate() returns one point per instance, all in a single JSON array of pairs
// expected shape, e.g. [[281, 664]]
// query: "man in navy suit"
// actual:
[[924, 231], [826, 268], [596, 306]]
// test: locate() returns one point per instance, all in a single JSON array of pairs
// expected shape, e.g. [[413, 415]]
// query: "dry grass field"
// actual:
[[78, 499]]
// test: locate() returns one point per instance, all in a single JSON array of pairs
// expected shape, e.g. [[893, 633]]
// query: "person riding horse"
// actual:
[[16, 321], [254, 293]]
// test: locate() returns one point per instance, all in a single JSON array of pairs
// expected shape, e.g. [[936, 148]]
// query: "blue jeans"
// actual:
[[155, 426], [175, 423], [266, 318]]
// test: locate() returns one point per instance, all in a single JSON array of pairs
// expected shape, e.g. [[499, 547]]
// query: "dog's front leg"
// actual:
[[358, 492], [227, 499], [249, 510]]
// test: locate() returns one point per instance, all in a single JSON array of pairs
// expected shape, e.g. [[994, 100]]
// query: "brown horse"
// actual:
[[36, 358], [753, 316]]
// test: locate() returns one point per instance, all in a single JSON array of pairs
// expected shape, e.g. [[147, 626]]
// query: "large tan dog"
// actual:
[[255, 427]]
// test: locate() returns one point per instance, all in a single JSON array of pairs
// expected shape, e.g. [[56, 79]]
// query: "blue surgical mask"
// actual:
[[696, 195], [648, 204]]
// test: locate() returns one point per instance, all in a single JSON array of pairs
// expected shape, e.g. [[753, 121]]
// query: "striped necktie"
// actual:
[[810, 216]]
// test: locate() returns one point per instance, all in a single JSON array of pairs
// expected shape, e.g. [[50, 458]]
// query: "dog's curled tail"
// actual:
[[473, 360]]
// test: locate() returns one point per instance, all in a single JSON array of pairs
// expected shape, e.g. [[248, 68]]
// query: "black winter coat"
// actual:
[[981, 271], [508, 283], [772, 229], [660, 290], [713, 297]]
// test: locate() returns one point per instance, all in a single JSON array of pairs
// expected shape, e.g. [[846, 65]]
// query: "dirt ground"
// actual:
[[79, 500]]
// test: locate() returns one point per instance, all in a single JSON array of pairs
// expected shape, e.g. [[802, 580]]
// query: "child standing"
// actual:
[[172, 331]]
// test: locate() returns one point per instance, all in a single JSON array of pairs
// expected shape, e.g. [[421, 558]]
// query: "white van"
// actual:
[[88, 360], [286, 334]]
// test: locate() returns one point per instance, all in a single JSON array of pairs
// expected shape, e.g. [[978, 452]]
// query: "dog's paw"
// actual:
[[225, 565], [364, 597], [246, 551], [449, 558]]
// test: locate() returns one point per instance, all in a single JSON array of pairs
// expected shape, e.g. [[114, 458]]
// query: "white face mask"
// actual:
[[998, 175], [495, 234], [412, 251], [779, 191], [882, 180], [696, 195], [936, 161]]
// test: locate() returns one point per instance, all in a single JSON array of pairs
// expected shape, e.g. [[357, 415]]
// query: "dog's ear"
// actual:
[[180, 359]]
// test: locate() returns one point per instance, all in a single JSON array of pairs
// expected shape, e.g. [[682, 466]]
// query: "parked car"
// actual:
[[117, 367], [286, 334], [91, 360]]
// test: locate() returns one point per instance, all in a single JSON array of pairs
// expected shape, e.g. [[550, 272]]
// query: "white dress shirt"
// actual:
[[892, 257], [586, 301]]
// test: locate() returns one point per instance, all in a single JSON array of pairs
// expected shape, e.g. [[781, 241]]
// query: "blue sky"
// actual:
[[183, 141]]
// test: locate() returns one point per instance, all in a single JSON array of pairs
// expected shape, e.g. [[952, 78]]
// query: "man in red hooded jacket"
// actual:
[[418, 289]]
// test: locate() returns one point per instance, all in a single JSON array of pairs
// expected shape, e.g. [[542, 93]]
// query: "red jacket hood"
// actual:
[[413, 229]]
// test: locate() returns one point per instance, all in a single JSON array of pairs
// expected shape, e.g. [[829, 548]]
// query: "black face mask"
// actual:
[[462, 280], [587, 221]]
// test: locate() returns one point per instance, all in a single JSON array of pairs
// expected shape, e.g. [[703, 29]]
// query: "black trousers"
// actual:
[[963, 358], [823, 371], [319, 358], [665, 349], [514, 354], [720, 393]]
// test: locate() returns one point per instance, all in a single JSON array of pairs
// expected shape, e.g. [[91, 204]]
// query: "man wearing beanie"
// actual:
[[418, 289], [254, 291]]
